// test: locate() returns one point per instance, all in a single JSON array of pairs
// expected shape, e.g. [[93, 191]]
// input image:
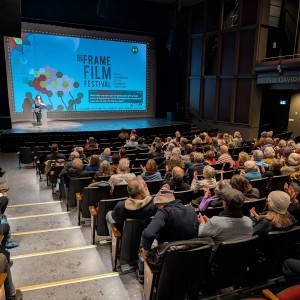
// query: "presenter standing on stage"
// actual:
[[38, 105]]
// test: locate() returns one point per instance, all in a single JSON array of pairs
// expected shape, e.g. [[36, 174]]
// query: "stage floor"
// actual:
[[91, 125]]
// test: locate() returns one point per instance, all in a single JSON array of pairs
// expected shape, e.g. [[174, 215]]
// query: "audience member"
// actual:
[[261, 140], [293, 164], [269, 155], [131, 143], [208, 199], [139, 205], [225, 156], [207, 181], [150, 171], [104, 169], [237, 139], [251, 170], [91, 144], [172, 222], [230, 224], [277, 218], [210, 157], [243, 185], [274, 169], [123, 134], [141, 144], [242, 158], [11, 293], [55, 153], [93, 165], [197, 166], [115, 163], [157, 151], [68, 164], [76, 170], [176, 182], [123, 175], [106, 155]]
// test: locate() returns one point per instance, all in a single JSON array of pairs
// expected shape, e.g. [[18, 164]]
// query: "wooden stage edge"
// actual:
[[66, 130]]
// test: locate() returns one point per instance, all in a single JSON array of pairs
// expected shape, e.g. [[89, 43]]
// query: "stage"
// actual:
[[68, 130]]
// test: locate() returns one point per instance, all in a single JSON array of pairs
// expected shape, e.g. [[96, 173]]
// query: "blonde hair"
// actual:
[[278, 220], [104, 168], [208, 172], [243, 157], [151, 165], [294, 159], [269, 152]]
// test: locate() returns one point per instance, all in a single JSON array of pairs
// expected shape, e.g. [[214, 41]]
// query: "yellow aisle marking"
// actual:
[[67, 281], [45, 230], [42, 215], [35, 203], [53, 251]]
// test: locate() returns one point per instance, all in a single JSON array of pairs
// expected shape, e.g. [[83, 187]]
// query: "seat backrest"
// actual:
[[25, 155], [179, 275], [131, 238], [217, 166], [259, 205], [185, 196], [76, 185], [274, 247], [154, 186], [213, 211], [120, 191], [231, 260], [140, 161], [277, 182], [103, 178], [91, 197], [104, 206], [261, 184]]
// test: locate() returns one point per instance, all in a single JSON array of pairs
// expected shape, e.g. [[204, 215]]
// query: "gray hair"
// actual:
[[124, 165], [250, 165], [208, 172]]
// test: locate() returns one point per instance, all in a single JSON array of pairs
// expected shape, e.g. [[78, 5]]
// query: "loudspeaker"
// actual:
[[10, 18]]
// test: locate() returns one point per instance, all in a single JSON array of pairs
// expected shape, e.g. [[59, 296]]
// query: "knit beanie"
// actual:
[[164, 196], [279, 202]]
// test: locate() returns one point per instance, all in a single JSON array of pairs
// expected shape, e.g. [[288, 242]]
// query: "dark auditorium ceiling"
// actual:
[[177, 2]]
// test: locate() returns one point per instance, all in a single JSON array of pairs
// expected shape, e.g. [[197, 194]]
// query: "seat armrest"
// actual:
[[269, 294], [78, 196], [115, 231], [1, 237]]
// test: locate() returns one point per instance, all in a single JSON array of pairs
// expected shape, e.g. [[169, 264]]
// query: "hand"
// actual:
[[207, 192], [202, 219], [195, 175], [253, 213], [263, 169], [143, 168], [242, 172], [291, 192]]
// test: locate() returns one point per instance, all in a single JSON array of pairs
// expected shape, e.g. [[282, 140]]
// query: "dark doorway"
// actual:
[[275, 108]]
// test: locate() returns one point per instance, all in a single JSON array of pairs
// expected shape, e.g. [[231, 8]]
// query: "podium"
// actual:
[[44, 117]]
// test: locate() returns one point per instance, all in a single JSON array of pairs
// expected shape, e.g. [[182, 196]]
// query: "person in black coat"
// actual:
[[176, 181]]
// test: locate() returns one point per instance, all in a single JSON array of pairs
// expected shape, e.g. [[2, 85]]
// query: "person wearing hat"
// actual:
[[139, 205], [172, 222], [277, 218], [230, 224]]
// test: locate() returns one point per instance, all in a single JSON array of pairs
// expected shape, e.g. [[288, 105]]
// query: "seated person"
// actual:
[[55, 153], [141, 144], [123, 175], [150, 171], [172, 222], [208, 199], [243, 185], [277, 218], [230, 224], [76, 170], [93, 165], [123, 134], [139, 205], [176, 182], [251, 170], [274, 169], [104, 169], [131, 143], [106, 155], [208, 181], [11, 293], [91, 144], [197, 166]]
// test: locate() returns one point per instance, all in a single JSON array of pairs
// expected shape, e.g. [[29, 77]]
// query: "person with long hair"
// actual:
[[150, 171], [93, 164], [277, 218]]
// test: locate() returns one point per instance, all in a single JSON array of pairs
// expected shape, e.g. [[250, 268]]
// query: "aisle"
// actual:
[[55, 259]]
